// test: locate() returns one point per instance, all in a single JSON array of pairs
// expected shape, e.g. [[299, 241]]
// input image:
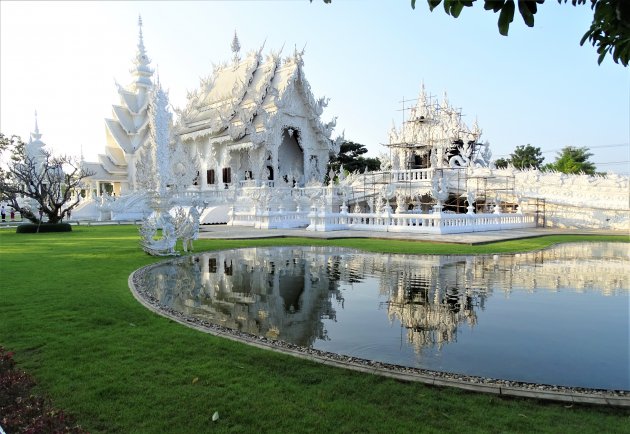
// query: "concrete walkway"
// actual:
[[224, 232]]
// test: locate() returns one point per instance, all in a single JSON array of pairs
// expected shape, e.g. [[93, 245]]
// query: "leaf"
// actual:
[[494, 5], [433, 4], [533, 5], [194, 380], [528, 17], [456, 9], [413, 4], [215, 416], [506, 17]]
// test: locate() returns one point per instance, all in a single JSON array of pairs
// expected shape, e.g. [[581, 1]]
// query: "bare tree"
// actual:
[[39, 186]]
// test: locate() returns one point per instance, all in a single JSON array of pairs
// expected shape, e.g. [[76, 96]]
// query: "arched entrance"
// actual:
[[290, 156]]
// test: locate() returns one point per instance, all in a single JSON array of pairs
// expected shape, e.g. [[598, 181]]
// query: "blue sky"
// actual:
[[537, 86]]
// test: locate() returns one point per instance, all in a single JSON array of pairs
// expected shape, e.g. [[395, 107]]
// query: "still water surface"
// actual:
[[557, 316]]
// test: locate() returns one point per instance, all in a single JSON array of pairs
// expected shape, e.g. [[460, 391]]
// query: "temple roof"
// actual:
[[100, 172], [239, 98]]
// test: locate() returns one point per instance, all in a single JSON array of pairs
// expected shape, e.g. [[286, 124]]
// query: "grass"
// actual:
[[66, 310]]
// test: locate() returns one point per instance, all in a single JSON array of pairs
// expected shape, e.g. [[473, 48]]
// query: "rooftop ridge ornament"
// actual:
[[236, 48]]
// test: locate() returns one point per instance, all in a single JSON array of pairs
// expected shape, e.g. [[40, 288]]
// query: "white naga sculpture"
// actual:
[[164, 171]]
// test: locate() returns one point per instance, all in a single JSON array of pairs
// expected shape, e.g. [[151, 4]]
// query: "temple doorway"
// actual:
[[290, 156]]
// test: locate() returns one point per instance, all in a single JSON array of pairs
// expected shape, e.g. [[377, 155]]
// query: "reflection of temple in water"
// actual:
[[287, 292], [281, 293], [426, 294]]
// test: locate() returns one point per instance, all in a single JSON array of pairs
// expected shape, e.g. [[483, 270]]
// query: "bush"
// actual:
[[31, 228]]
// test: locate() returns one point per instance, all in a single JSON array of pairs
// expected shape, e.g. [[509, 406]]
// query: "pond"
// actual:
[[558, 316]]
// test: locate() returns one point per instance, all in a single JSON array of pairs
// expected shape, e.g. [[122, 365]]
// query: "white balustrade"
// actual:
[[411, 175], [437, 223]]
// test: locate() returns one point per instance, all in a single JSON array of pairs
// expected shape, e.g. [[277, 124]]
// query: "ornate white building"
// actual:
[[434, 136], [251, 147], [256, 120]]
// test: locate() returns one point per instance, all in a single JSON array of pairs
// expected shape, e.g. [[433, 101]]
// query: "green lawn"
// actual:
[[66, 309]]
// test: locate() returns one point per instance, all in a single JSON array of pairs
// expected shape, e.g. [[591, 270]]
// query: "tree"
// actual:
[[502, 163], [41, 185], [350, 157], [573, 160], [609, 31], [523, 157], [526, 157]]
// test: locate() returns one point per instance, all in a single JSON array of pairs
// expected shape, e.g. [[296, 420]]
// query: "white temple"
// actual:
[[251, 147], [256, 120]]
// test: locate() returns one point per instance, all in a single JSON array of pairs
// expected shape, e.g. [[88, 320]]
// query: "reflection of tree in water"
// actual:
[[287, 292]]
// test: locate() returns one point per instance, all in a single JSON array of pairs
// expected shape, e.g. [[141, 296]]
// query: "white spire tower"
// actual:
[[128, 128], [35, 146]]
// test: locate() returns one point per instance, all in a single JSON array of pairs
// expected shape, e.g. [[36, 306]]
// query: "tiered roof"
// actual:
[[128, 129], [238, 101]]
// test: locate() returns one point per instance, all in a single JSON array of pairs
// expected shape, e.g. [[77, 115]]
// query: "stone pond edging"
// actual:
[[613, 398]]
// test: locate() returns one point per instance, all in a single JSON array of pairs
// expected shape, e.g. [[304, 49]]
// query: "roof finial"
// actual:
[[142, 70], [35, 135], [141, 57], [236, 47], [140, 40]]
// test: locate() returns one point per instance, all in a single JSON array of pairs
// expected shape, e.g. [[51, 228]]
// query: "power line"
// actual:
[[589, 148], [612, 162]]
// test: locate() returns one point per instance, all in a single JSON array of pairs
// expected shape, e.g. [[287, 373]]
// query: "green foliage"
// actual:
[[350, 157], [118, 367], [31, 228], [573, 160], [609, 31], [502, 163], [525, 157]]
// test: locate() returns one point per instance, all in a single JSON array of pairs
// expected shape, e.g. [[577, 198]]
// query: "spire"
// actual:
[[35, 136], [35, 147], [142, 71], [236, 48], [141, 56]]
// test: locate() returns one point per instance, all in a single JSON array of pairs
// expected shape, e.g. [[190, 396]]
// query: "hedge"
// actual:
[[31, 228]]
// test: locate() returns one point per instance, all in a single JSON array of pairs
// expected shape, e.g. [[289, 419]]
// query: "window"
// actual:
[[227, 175], [196, 180], [212, 265], [210, 179]]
